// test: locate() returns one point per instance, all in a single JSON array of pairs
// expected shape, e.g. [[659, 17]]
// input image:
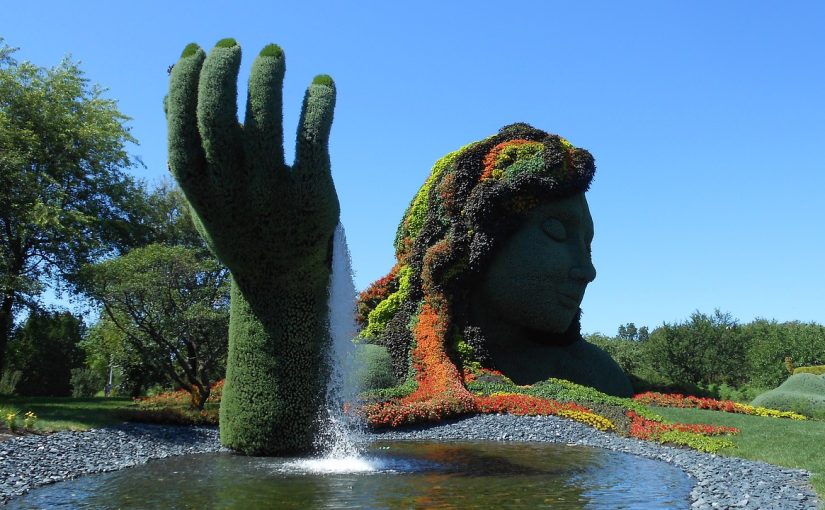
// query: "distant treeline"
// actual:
[[715, 354]]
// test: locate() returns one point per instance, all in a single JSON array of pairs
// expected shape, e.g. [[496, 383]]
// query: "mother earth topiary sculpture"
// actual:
[[271, 224], [493, 261]]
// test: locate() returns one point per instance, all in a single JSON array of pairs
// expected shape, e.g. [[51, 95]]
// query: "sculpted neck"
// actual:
[[525, 355]]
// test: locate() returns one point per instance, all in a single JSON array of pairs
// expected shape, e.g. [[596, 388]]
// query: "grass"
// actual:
[[66, 413], [789, 443]]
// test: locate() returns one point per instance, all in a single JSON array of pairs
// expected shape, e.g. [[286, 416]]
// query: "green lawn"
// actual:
[[796, 444], [65, 413]]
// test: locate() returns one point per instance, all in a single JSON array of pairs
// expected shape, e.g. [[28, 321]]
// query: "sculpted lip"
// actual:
[[570, 299]]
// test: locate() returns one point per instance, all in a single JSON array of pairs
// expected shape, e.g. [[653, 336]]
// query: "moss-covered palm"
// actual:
[[271, 224]]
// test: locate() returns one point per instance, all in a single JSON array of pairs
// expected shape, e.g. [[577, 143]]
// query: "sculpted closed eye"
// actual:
[[554, 229]]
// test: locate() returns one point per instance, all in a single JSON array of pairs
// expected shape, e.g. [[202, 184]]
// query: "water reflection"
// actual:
[[402, 475]]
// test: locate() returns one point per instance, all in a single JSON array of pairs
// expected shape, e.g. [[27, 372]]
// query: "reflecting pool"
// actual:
[[390, 475]]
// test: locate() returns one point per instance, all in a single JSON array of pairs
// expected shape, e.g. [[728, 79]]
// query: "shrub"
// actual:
[[85, 382], [8, 381], [374, 367]]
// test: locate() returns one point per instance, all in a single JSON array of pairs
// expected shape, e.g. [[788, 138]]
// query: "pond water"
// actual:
[[390, 475]]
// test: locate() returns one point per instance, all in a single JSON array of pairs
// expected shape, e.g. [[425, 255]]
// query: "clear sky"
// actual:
[[706, 119]]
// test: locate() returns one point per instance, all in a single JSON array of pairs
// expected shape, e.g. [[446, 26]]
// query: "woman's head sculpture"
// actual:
[[493, 254]]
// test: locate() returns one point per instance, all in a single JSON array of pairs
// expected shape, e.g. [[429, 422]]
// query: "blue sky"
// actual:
[[706, 119]]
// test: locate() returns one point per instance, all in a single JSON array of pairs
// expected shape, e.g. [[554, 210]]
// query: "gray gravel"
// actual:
[[720, 482]]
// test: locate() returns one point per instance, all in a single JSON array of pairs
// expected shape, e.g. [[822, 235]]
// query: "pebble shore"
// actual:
[[720, 482]]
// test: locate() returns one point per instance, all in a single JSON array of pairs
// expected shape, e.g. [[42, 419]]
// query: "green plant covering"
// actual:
[[801, 393], [272, 225], [816, 370]]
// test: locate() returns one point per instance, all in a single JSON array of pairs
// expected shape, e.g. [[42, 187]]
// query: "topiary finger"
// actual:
[[218, 113], [263, 127], [187, 161], [312, 166]]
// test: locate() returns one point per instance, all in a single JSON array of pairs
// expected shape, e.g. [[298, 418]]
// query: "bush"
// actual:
[[8, 381], [816, 370], [628, 354], [86, 383], [374, 367]]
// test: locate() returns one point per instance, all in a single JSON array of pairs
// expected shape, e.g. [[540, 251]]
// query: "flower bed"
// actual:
[[727, 406]]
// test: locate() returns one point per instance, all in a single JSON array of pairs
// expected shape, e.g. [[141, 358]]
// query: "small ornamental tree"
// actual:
[[173, 309]]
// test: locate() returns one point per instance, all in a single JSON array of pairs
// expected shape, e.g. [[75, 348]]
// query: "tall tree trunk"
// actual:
[[6, 321]]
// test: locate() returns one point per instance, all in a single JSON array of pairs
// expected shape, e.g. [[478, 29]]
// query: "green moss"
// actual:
[[323, 79], [226, 43], [190, 50], [272, 50]]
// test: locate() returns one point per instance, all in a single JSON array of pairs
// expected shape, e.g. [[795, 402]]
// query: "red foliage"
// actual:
[[679, 400], [522, 405], [643, 428]]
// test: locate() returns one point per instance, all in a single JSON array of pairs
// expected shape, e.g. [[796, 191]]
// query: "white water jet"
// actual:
[[340, 432]]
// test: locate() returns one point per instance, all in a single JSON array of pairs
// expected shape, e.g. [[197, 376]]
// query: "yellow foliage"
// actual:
[[592, 419]]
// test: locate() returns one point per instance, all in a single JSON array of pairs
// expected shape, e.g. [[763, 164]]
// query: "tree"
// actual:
[[105, 345], [644, 334], [704, 349], [64, 197], [771, 342], [45, 350], [172, 307], [628, 332]]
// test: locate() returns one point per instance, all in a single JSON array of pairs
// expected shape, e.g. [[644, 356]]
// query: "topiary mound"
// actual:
[[801, 393]]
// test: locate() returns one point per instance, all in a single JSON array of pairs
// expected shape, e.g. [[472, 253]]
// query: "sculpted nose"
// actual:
[[583, 271]]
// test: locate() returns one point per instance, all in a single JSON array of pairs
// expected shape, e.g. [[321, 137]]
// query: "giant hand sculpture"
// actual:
[[271, 224]]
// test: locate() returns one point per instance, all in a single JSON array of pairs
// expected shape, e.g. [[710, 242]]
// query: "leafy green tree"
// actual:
[[65, 199], [627, 353], [172, 307], [771, 342], [628, 332], [45, 350], [162, 216], [644, 334], [705, 349], [104, 344]]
